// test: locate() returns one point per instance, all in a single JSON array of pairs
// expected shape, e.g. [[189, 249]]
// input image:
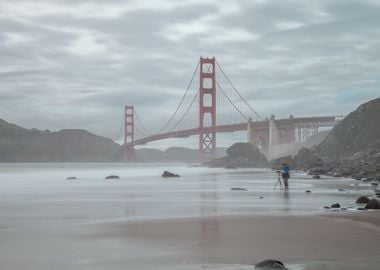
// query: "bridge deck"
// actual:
[[324, 121]]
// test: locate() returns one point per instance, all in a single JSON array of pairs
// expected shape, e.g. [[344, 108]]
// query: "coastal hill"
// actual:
[[352, 148], [19, 144]]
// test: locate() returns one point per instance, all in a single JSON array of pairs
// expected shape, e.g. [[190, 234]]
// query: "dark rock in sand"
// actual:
[[308, 191], [362, 208], [373, 204], [341, 190], [113, 177], [261, 197], [270, 265], [362, 199], [374, 184], [317, 176], [169, 174], [335, 205], [71, 178], [327, 207], [237, 189]]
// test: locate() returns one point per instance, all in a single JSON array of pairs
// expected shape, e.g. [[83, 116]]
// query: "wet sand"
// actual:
[[333, 241]]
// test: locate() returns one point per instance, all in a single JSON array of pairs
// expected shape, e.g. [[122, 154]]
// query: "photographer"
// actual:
[[285, 175]]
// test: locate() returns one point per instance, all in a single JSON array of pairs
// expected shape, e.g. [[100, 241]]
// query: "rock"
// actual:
[[308, 191], [240, 155], [327, 207], [237, 189], [343, 209], [71, 178], [362, 208], [373, 204], [169, 174], [112, 177], [374, 184], [269, 265], [335, 205], [261, 197], [317, 176], [362, 199], [341, 190]]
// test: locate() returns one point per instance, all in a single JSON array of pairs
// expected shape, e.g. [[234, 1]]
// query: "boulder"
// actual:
[[169, 174], [240, 155], [335, 205], [317, 176], [373, 204], [113, 177], [270, 265], [237, 189], [71, 178], [362, 199]]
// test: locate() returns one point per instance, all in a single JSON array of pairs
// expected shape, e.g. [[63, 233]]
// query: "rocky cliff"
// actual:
[[352, 148]]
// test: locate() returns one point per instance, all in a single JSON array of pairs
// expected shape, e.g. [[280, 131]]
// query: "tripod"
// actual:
[[278, 182]]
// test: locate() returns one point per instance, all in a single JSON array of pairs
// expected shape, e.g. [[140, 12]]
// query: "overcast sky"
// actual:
[[75, 63]]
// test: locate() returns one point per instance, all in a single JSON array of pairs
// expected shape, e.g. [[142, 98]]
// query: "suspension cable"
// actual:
[[233, 86], [182, 99], [236, 108]]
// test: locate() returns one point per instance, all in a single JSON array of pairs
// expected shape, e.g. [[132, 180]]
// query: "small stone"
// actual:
[[71, 178], [362, 208], [261, 197], [308, 191], [373, 204], [341, 189], [270, 265], [238, 189], [362, 199], [169, 174], [317, 176], [335, 205], [112, 177], [327, 207]]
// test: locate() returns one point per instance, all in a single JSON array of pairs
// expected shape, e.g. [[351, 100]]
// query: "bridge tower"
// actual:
[[129, 133], [207, 109]]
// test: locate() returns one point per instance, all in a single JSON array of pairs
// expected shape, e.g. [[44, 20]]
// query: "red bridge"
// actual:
[[214, 105]]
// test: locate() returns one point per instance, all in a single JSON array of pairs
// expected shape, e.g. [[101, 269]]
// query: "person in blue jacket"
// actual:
[[285, 175]]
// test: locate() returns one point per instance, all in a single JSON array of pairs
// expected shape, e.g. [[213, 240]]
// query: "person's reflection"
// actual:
[[209, 224], [286, 200]]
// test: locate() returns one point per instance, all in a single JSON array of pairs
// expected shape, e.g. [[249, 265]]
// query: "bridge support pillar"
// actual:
[[273, 137], [129, 133], [207, 109]]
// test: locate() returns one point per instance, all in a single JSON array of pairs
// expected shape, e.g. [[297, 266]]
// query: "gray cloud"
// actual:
[[70, 64]]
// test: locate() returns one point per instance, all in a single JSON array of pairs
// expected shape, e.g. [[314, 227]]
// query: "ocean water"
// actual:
[[42, 215], [40, 193]]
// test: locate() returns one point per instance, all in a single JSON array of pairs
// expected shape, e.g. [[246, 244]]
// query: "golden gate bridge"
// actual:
[[212, 104]]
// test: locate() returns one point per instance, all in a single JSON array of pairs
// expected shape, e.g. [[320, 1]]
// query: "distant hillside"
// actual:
[[18, 144]]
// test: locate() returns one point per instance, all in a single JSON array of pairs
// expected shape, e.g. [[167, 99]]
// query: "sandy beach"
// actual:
[[334, 241]]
